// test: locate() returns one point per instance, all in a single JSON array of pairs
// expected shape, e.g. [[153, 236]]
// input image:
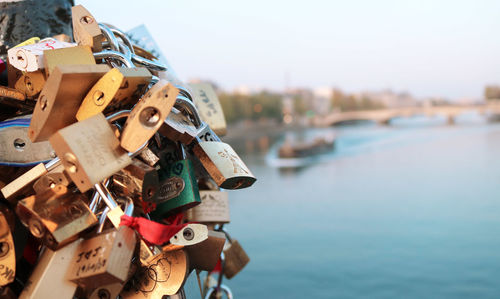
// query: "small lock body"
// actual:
[[214, 208], [236, 259], [56, 216], [188, 198], [89, 151], [104, 259], [86, 30], [224, 165]]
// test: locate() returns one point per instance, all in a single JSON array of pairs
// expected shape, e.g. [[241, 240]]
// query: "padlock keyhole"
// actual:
[[19, 144], [4, 249]]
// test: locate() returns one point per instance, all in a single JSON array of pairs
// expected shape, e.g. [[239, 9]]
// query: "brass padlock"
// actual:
[[214, 208], [61, 97], [89, 151], [13, 75], [119, 85], [7, 253], [235, 257], [114, 214], [148, 115], [209, 107], [205, 255], [56, 217], [103, 259], [49, 276], [30, 84], [111, 290], [163, 274], [67, 56], [86, 30]]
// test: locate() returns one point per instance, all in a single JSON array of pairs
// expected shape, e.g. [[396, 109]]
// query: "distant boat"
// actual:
[[318, 146]]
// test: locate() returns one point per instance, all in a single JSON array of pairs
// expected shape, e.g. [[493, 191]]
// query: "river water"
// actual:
[[410, 210]]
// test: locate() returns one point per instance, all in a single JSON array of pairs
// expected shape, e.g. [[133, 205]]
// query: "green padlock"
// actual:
[[178, 190]]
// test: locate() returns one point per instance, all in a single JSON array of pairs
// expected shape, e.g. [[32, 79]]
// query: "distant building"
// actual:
[[322, 100], [390, 99]]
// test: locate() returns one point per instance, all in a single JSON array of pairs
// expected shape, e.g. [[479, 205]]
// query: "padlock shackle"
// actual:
[[106, 195], [227, 235], [96, 198], [223, 288], [129, 207], [52, 164], [150, 64], [128, 49], [110, 37], [184, 104], [111, 54], [102, 219], [118, 33], [117, 115]]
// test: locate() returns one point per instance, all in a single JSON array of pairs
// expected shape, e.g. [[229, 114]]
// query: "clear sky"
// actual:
[[447, 48]]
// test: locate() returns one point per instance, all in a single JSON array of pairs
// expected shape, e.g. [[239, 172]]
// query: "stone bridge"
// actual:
[[384, 116]]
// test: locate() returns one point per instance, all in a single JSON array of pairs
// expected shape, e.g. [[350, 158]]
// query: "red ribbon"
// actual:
[[218, 267], [152, 232]]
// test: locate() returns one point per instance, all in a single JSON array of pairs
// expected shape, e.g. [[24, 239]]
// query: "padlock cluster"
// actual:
[[112, 171]]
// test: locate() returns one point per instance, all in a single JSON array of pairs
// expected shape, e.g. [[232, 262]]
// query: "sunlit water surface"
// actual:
[[406, 211]]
